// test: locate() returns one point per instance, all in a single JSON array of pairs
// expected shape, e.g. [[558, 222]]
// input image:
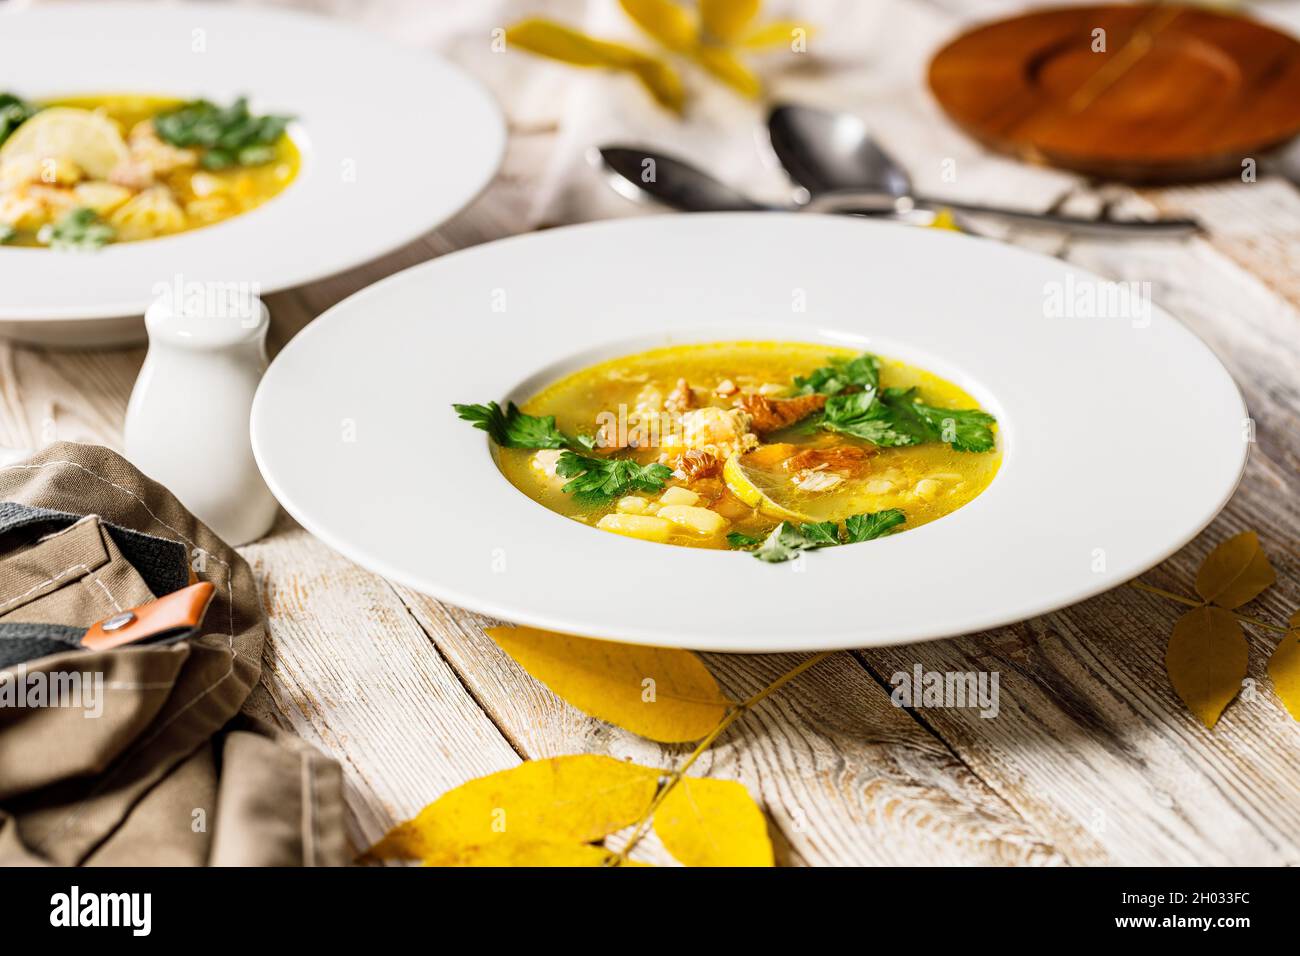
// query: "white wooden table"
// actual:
[[1092, 759]]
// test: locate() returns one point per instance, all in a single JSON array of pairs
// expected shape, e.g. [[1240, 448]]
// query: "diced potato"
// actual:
[[102, 197], [636, 526], [878, 486], [699, 520], [677, 495], [928, 488], [632, 505]]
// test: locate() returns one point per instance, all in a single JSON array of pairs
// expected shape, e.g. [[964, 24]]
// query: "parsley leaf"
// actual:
[[7, 232], [13, 113], [825, 533], [596, 481], [80, 229], [965, 429], [788, 540], [229, 135], [785, 542], [863, 371], [894, 418], [512, 428], [858, 528]]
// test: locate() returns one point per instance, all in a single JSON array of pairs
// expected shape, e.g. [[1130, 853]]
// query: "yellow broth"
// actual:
[[925, 481], [203, 196]]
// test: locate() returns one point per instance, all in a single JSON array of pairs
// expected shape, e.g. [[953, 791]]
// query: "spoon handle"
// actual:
[[846, 201]]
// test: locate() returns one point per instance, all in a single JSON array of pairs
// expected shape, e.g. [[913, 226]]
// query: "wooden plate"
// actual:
[[1178, 93]]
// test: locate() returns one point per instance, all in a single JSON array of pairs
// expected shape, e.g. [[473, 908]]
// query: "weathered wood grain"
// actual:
[[847, 778]]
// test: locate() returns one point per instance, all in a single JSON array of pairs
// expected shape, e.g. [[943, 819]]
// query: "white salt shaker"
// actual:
[[187, 421]]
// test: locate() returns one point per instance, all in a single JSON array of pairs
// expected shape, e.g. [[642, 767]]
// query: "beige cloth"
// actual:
[[169, 771]]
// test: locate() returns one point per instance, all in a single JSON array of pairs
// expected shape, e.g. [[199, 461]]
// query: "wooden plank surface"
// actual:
[[1091, 758]]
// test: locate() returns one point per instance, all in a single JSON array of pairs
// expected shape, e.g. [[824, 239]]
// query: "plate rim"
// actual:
[[841, 639]]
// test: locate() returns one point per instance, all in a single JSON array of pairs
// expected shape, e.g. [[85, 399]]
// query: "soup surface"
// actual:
[[83, 172], [731, 444]]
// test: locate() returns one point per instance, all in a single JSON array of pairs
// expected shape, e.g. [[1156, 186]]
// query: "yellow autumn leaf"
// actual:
[[727, 68], [726, 20], [775, 33], [1284, 667], [526, 813], [1206, 660], [558, 42], [672, 24], [660, 693], [706, 822], [1235, 572]]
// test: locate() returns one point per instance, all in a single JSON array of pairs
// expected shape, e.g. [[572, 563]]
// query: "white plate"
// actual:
[[1122, 438], [394, 142]]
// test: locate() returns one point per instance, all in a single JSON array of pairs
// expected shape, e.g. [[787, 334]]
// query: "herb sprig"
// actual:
[[514, 429], [890, 417], [788, 540], [598, 481], [832, 379], [80, 229], [13, 113], [229, 135]]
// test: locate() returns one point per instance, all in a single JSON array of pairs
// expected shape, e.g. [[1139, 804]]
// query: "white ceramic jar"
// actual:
[[187, 421]]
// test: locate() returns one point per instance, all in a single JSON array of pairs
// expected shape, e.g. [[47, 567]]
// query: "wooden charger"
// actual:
[[1163, 93]]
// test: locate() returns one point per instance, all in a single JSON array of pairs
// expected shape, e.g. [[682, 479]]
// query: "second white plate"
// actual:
[[394, 142]]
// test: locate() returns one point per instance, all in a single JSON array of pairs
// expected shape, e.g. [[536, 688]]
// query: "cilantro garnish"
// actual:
[[512, 428]]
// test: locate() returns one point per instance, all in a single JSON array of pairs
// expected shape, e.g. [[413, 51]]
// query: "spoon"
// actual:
[[640, 174], [833, 157]]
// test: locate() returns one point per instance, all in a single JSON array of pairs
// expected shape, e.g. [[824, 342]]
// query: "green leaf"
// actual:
[[7, 232], [863, 371], [864, 527], [893, 418], [597, 481], [825, 533], [79, 230], [13, 113], [512, 428], [231, 135], [787, 540], [965, 429], [743, 542]]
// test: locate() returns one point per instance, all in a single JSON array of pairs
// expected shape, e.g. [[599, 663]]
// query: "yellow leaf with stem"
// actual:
[[706, 822], [1284, 667], [775, 33], [558, 42], [1235, 572], [727, 68], [660, 693], [727, 20], [540, 810], [675, 26], [1206, 660]]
